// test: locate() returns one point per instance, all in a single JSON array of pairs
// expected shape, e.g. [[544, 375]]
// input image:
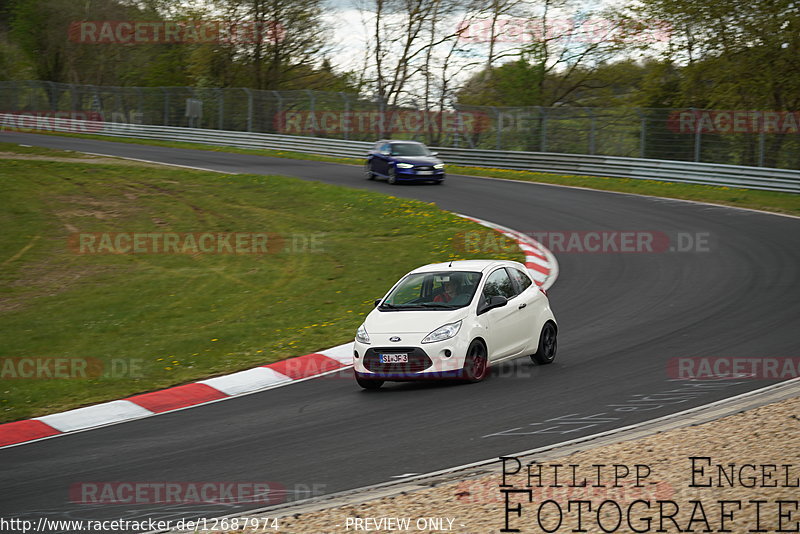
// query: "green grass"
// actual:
[[182, 317], [788, 203], [40, 151]]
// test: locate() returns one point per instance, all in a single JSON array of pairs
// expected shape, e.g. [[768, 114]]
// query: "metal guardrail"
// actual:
[[762, 178]]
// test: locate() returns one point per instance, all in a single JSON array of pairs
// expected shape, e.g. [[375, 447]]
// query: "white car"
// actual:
[[452, 320]]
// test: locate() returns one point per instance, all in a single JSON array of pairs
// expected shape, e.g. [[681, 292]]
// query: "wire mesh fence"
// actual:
[[741, 137]]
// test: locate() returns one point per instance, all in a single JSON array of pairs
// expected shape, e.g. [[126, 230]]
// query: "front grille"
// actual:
[[423, 168], [418, 361]]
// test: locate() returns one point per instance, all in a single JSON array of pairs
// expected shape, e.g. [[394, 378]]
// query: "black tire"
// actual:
[[548, 345], [392, 176], [368, 171], [366, 383], [476, 364]]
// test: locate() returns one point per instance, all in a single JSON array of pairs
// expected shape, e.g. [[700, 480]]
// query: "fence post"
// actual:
[[346, 117], [543, 132], [311, 106], [220, 109], [97, 106], [73, 97], [282, 120], [249, 94], [14, 96], [117, 106], [166, 106], [139, 105], [697, 134], [761, 146], [592, 130], [457, 134], [642, 133], [498, 129], [382, 115], [52, 96]]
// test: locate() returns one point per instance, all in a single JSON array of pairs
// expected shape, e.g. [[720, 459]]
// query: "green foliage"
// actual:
[[723, 54], [515, 83], [14, 64], [733, 54], [39, 46]]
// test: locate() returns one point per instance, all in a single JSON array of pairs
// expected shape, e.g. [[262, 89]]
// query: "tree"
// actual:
[[288, 40], [558, 58], [733, 53]]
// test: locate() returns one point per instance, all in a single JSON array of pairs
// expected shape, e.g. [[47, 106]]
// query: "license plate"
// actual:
[[394, 358], [425, 172]]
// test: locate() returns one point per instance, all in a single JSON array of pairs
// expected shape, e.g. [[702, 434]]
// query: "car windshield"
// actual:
[[435, 290], [409, 149]]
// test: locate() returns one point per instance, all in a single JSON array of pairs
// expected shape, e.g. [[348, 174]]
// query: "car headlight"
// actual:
[[405, 166], [361, 335], [443, 332], [439, 166]]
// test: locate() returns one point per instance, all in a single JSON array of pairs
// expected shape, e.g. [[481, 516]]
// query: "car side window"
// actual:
[[385, 148], [498, 284], [522, 280]]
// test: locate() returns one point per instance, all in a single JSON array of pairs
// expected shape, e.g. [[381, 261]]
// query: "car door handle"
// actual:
[[522, 305]]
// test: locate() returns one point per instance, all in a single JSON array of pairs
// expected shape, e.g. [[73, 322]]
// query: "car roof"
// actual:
[[467, 265], [399, 141]]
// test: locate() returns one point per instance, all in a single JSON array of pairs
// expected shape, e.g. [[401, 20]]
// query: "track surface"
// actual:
[[622, 318]]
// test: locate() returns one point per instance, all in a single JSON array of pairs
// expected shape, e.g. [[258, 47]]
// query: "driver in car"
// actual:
[[451, 290]]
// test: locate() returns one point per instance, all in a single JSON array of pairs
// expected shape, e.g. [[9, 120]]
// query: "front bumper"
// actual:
[[418, 174], [425, 361]]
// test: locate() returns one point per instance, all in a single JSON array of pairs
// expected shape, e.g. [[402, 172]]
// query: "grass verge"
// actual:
[[787, 203], [149, 321]]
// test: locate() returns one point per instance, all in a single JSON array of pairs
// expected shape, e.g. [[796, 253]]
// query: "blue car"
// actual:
[[403, 161]]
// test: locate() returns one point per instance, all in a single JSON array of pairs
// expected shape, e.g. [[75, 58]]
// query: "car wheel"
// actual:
[[476, 364], [366, 383], [392, 176], [368, 171], [548, 343]]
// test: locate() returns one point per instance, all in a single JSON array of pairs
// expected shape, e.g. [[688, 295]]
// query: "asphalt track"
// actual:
[[623, 317]]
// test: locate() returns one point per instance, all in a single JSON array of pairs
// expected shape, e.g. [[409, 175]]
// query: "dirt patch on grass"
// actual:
[[78, 157], [47, 279]]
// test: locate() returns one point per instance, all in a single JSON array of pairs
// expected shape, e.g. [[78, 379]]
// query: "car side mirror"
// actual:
[[377, 301], [434, 153], [496, 301], [385, 152]]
